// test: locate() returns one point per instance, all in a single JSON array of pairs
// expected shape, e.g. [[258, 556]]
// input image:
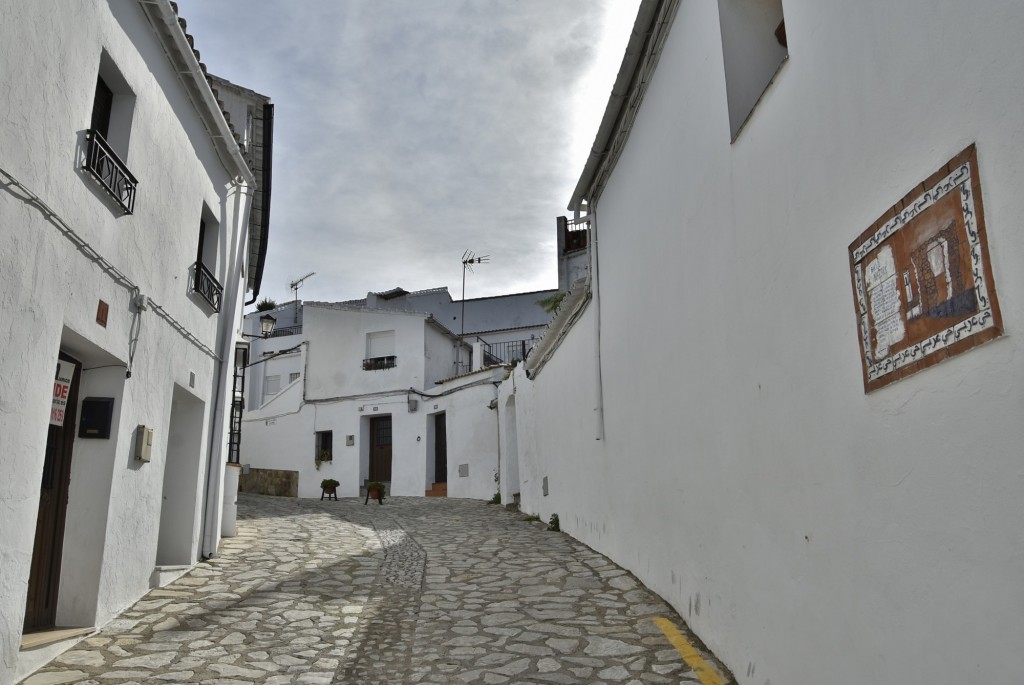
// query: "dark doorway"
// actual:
[[440, 449], [44, 576], [380, 448]]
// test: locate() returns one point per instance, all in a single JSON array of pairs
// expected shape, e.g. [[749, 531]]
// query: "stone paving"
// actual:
[[415, 591]]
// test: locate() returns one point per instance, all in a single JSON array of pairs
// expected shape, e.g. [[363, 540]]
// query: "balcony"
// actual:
[[283, 331], [107, 168], [378, 363], [207, 287], [507, 352]]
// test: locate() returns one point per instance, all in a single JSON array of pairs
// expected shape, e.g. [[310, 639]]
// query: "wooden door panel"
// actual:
[[380, 449], [44, 573], [440, 449]]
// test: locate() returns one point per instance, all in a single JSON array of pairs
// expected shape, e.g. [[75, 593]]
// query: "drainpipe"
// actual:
[[216, 493], [595, 289], [497, 423]]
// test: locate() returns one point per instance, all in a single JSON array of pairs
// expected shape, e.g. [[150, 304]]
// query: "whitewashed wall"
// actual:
[[482, 314], [439, 356], [270, 358], [807, 532], [286, 441], [337, 347], [472, 433], [49, 292]]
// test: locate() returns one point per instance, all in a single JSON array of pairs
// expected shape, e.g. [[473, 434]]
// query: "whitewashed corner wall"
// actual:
[[472, 430], [806, 531]]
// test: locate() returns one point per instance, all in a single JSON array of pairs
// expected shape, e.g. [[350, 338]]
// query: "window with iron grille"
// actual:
[[380, 351], [204, 282], [108, 135], [325, 445]]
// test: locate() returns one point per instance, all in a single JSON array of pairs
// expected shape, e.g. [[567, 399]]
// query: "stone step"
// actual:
[[438, 490]]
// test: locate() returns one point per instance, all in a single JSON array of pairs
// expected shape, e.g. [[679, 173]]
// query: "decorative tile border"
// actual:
[[922, 279]]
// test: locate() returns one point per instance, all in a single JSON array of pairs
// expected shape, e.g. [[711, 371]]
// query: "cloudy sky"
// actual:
[[409, 131]]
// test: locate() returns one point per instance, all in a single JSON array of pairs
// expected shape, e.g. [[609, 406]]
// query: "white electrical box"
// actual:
[[143, 443]]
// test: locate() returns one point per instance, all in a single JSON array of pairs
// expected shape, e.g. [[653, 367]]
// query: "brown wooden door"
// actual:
[[440, 449], [380, 449], [44, 576]]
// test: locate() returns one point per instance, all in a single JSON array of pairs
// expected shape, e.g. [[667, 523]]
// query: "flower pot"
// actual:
[[374, 493]]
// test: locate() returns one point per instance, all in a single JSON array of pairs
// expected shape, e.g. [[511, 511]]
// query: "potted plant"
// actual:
[[374, 489], [322, 456], [329, 487]]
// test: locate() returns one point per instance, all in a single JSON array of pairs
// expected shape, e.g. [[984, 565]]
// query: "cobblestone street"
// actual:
[[416, 591]]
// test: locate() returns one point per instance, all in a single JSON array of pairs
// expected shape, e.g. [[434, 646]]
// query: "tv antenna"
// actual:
[[469, 258], [295, 285]]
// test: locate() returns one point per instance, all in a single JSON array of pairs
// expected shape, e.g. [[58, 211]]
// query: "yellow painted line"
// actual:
[[704, 671]]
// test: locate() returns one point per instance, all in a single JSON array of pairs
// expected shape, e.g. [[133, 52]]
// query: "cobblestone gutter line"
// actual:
[[388, 624]]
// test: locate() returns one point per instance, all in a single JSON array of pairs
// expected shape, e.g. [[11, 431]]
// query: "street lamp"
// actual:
[[267, 323]]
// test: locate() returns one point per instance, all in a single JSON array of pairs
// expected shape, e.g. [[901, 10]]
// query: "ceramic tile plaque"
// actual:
[[922, 281]]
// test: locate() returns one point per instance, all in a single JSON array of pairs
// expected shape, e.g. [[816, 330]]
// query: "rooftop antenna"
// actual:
[[295, 285], [468, 260]]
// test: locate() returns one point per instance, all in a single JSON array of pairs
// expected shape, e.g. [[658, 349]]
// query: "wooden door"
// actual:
[[380, 449], [44, 576], [440, 449]]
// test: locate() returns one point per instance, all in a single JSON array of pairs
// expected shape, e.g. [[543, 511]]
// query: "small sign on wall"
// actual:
[[61, 390], [922, 280]]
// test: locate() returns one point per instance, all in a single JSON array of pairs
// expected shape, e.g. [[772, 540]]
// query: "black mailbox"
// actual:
[[97, 413]]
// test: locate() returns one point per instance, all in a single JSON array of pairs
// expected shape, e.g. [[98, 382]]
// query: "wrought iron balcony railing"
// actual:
[[207, 286], [378, 363], [104, 164]]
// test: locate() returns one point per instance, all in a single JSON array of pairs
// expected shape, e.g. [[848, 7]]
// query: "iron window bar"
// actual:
[[207, 286], [107, 168]]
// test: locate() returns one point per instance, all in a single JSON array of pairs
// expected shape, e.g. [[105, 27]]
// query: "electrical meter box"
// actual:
[[143, 443]]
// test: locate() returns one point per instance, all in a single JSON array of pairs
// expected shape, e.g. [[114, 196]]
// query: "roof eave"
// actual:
[[624, 85], [164, 21]]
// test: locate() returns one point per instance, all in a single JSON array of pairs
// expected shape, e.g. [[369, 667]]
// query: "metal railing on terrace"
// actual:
[[286, 330], [107, 168], [506, 352]]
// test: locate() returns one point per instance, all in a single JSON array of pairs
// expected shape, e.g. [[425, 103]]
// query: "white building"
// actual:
[[729, 441], [361, 393], [124, 261], [500, 329]]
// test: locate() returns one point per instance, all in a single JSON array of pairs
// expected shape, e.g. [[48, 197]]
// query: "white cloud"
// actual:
[[407, 132]]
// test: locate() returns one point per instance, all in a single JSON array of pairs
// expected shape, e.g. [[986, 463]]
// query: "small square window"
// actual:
[[292, 377], [271, 386]]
